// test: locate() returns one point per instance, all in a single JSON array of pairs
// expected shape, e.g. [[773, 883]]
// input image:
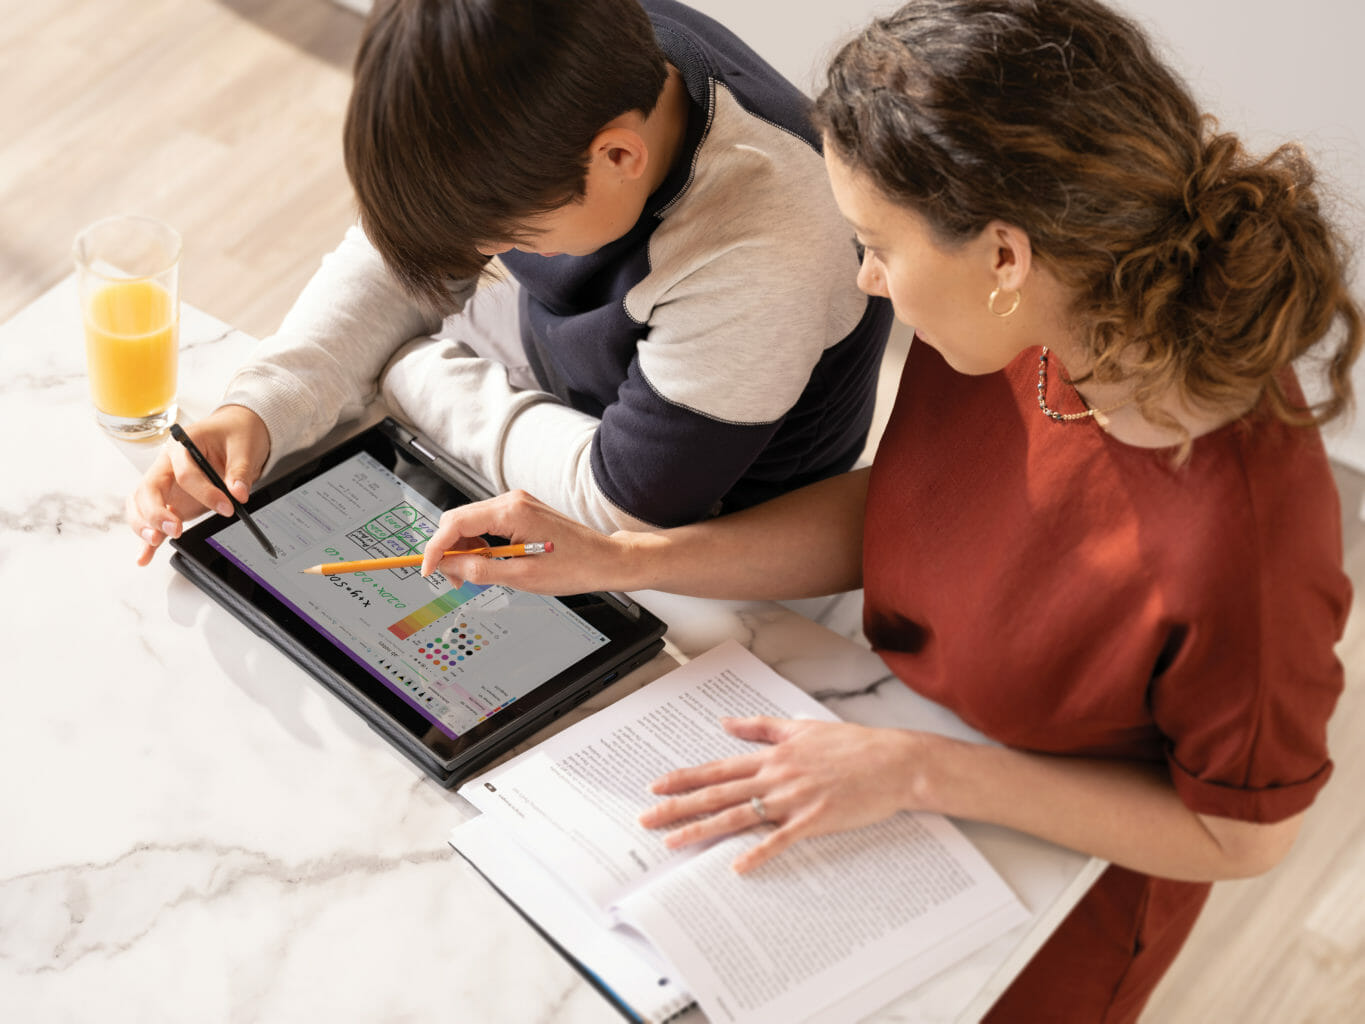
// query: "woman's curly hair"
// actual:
[[1193, 264]]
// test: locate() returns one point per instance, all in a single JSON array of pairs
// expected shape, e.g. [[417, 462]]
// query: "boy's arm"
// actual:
[[468, 407], [647, 463], [323, 364], [732, 346]]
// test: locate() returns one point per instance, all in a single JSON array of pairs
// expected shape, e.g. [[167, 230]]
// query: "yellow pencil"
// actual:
[[407, 561]]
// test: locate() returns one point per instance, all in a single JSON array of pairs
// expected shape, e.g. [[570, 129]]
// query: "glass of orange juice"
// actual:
[[128, 275]]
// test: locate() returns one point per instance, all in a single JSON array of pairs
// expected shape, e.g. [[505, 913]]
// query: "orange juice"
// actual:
[[130, 344]]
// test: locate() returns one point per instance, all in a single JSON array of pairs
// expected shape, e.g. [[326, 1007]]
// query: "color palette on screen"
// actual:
[[429, 613], [458, 644]]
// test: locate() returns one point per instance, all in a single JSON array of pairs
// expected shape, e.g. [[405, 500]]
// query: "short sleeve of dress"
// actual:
[[1252, 677]]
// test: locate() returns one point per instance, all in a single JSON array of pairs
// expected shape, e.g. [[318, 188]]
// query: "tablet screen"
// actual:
[[457, 655]]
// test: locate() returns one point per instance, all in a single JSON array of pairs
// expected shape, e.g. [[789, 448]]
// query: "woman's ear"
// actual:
[[1011, 254]]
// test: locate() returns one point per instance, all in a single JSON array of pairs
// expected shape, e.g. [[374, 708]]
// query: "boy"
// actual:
[[676, 330]]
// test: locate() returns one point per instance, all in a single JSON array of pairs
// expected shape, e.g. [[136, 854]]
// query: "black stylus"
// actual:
[[179, 434]]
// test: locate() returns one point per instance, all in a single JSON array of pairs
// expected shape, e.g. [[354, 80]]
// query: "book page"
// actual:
[[815, 933], [574, 799], [618, 959]]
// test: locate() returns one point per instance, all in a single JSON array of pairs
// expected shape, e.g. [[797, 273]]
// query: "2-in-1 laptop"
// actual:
[[451, 676]]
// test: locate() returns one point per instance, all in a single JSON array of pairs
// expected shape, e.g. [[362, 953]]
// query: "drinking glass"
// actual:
[[128, 275]]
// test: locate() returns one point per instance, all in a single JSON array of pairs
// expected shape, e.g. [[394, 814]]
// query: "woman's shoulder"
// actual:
[[1255, 504]]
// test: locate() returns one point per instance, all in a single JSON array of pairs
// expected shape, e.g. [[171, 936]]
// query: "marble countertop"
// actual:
[[196, 830]]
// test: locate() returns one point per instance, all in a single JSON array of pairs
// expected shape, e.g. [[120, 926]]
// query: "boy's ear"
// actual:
[[620, 151]]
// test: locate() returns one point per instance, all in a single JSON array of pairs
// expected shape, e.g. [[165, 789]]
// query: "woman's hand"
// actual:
[[813, 778], [234, 439], [582, 559]]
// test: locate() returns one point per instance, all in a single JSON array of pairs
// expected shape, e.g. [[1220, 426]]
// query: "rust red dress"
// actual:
[[1068, 594]]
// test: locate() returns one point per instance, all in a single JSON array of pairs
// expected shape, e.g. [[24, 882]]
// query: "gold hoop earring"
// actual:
[[990, 304]]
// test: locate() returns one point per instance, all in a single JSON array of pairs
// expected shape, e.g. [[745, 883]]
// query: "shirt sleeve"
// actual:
[[759, 363], [647, 462], [505, 436], [323, 364], [1247, 695]]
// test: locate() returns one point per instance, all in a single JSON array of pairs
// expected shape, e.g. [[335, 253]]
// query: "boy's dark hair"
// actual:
[[469, 116]]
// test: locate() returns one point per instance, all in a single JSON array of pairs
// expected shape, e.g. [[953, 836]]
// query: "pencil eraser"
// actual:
[[549, 546]]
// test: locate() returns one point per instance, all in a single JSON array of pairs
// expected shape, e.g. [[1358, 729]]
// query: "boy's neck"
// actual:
[[665, 130]]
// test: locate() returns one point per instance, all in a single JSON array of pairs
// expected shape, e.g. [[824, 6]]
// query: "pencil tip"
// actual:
[[313, 570]]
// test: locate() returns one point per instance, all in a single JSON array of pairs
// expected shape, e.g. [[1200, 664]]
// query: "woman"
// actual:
[[1100, 527]]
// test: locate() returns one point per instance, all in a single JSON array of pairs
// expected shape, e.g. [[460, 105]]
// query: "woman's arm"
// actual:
[[1122, 811], [802, 544], [820, 777]]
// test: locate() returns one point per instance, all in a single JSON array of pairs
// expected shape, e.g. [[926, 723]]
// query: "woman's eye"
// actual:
[[864, 252]]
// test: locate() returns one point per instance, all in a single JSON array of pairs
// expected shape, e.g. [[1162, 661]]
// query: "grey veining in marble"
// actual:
[[195, 830]]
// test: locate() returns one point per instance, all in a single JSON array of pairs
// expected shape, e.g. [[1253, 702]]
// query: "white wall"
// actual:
[[798, 37], [1270, 70]]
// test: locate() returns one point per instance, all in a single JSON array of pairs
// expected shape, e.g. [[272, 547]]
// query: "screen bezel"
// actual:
[[628, 627]]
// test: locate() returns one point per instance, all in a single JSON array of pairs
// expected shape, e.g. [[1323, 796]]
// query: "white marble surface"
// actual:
[[195, 830]]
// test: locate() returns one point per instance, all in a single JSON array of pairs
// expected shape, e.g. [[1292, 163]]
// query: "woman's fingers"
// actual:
[[685, 780], [808, 778], [761, 728], [735, 818], [742, 816], [453, 530], [514, 515], [709, 799], [582, 559], [775, 842]]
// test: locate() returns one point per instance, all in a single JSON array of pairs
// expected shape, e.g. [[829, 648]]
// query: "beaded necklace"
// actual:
[[1098, 415]]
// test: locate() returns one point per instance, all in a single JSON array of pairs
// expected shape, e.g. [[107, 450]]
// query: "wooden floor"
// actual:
[[223, 118]]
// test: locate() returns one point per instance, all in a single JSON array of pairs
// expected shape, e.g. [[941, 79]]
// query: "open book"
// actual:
[[830, 930]]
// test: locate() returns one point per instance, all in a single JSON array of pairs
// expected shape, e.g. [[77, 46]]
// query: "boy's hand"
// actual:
[[234, 439]]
